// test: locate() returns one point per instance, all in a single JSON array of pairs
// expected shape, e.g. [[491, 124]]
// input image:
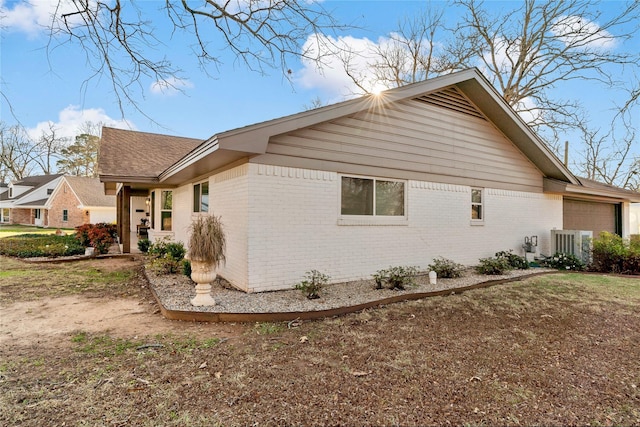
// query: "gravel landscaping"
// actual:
[[175, 292]]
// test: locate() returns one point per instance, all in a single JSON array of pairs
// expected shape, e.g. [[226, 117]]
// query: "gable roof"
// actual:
[[35, 182], [90, 192], [232, 145]]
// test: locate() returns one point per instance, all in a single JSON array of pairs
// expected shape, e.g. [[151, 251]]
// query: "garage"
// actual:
[[592, 215]]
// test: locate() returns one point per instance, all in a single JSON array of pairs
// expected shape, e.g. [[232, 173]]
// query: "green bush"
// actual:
[[164, 247], [40, 245], [143, 245], [313, 284], [399, 277], [563, 261], [186, 267], [446, 269], [493, 266], [515, 261], [166, 265], [613, 254]]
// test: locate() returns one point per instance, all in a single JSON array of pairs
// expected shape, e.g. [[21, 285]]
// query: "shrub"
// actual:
[[612, 254], [515, 261], [186, 267], [166, 265], [446, 269], [493, 266], [399, 277], [313, 284], [143, 245], [608, 253], [164, 247], [100, 236], [563, 261], [39, 245]]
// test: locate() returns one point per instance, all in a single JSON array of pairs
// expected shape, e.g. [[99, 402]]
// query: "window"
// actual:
[[370, 196], [49, 191], [153, 209], [65, 215], [165, 210], [476, 204], [37, 214], [201, 197]]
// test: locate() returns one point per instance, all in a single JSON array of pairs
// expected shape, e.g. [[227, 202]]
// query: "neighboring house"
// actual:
[[4, 212], [634, 218], [439, 168], [57, 201]]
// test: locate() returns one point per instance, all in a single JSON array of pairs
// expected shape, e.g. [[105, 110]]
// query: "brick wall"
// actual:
[[66, 199], [228, 199], [21, 216], [294, 227]]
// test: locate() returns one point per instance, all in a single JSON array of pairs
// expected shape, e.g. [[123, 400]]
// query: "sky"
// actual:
[[50, 84]]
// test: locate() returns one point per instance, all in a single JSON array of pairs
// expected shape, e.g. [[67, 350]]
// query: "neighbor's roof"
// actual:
[[139, 155], [90, 191], [36, 182]]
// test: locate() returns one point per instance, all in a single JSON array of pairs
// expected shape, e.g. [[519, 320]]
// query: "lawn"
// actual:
[[562, 349], [7, 230]]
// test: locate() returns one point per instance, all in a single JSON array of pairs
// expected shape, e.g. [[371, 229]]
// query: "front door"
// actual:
[[37, 216]]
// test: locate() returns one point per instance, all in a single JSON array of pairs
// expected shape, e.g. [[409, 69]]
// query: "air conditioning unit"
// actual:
[[572, 242]]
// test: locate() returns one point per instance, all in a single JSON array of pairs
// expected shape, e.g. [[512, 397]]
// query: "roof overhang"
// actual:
[[591, 193]]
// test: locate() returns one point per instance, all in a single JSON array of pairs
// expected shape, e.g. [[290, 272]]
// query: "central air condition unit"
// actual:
[[572, 242]]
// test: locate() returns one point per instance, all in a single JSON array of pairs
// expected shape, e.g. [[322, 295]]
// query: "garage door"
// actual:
[[594, 216]]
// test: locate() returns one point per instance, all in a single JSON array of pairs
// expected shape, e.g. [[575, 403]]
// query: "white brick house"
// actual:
[[438, 168]]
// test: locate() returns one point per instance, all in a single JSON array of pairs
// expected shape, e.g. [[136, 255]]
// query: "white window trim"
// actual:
[[200, 212], [482, 204], [373, 220]]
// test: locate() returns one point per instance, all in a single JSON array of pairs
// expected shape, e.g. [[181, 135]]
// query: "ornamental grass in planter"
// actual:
[[207, 245]]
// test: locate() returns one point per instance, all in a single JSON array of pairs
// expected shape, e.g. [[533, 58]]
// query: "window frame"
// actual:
[[373, 219], [199, 186], [65, 215], [164, 210], [480, 204]]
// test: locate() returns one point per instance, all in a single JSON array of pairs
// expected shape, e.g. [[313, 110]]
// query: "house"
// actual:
[[634, 219], [442, 167], [57, 201]]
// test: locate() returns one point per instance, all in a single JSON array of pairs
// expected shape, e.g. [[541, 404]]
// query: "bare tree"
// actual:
[[410, 54], [15, 153], [47, 149], [119, 39], [526, 52]]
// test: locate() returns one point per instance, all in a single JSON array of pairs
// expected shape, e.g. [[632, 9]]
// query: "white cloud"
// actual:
[[169, 87], [576, 30], [329, 75], [33, 17], [71, 119]]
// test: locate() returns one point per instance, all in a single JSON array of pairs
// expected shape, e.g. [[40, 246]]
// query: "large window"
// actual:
[[166, 204], [201, 197], [476, 204], [372, 196]]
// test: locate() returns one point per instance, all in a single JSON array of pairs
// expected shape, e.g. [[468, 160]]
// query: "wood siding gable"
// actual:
[[439, 137]]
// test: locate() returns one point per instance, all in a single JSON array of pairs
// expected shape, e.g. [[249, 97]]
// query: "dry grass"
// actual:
[[554, 350]]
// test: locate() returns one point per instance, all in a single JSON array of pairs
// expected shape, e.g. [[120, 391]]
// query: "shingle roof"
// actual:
[[90, 191], [36, 182], [147, 154]]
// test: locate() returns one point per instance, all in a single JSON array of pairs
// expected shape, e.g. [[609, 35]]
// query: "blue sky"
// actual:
[[52, 87]]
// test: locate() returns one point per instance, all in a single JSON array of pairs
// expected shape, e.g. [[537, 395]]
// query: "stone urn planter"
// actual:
[[206, 251], [203, 273]]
